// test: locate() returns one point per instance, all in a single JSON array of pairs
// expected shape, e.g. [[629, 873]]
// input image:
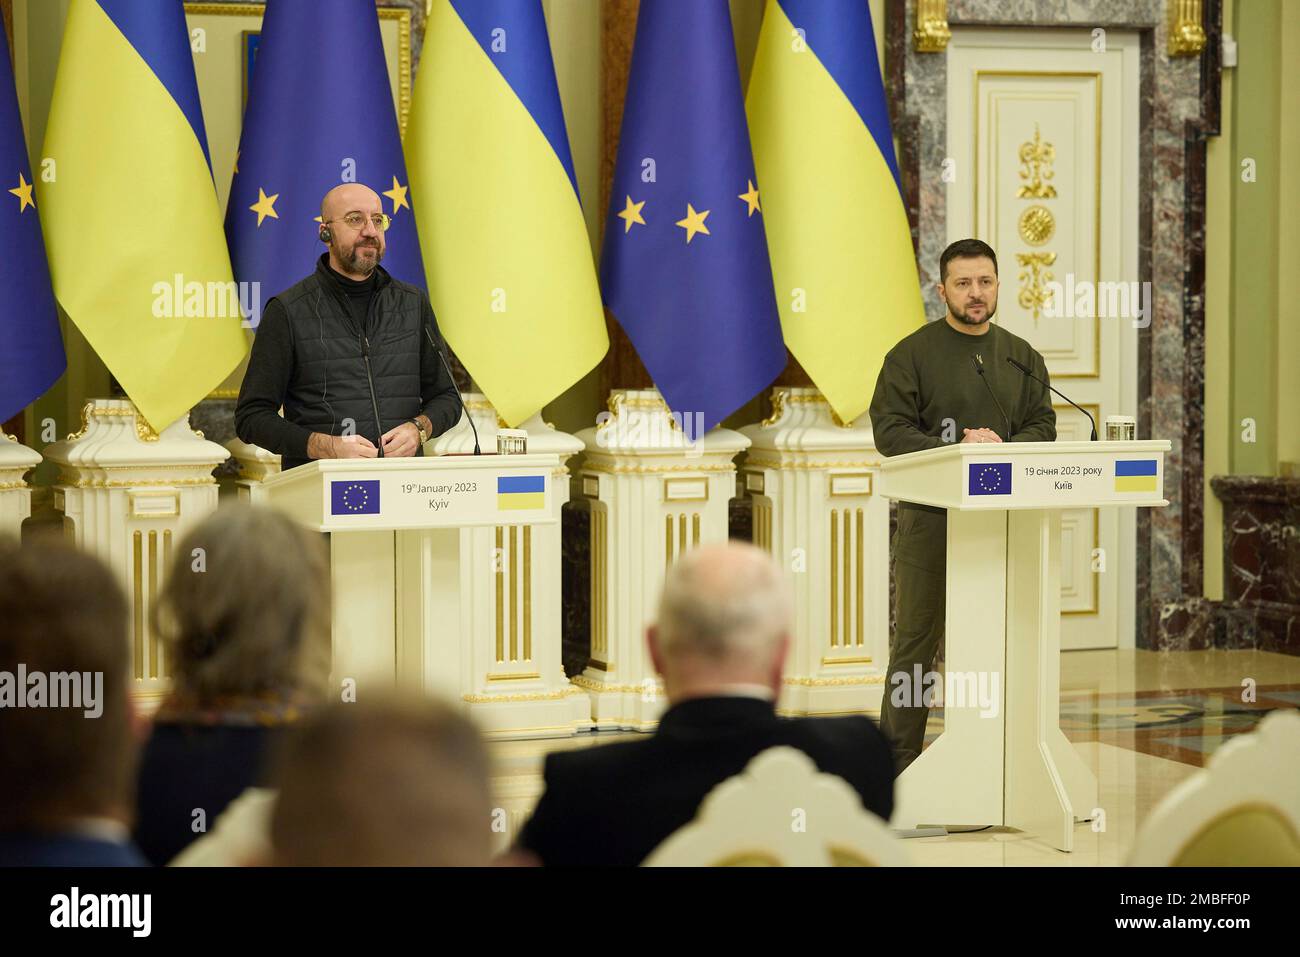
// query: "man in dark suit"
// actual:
[[719, 643], [68, 752]]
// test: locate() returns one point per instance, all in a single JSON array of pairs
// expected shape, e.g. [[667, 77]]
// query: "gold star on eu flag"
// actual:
[[24, 194], [265, 206], [694, 222], [751, 198], [631, 214], [398, 195]]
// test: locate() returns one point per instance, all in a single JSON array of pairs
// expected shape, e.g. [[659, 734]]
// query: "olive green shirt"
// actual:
[[929, 390]]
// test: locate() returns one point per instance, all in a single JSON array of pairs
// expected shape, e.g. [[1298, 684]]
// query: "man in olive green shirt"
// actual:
[[948, 381]]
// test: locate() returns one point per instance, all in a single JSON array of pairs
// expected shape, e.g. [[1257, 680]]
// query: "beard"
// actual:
[[363, 265], [961, 316]]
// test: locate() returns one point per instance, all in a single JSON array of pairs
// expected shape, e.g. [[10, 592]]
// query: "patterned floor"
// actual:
[[1185, 725]]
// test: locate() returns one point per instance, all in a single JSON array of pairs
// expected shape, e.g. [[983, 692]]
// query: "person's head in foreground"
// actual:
[[723, 624], [245, 614], [400, 783], [67, 757]]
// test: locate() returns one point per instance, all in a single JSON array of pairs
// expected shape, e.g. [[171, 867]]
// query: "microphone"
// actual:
[[370, 380], [459, 398], [979, 367], [1025, 371]]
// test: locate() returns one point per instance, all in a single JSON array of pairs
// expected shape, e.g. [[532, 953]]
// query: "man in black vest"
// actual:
[[720, 642], [345, 352]]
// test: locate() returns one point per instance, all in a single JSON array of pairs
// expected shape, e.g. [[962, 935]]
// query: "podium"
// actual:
[[418, 547], [1002, 758]]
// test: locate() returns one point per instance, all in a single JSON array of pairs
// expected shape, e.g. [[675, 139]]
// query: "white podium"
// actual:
[[412, 583], [1009, 763]]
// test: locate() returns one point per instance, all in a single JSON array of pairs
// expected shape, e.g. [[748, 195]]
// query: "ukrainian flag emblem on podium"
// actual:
[[1135, 475], [521, 491]]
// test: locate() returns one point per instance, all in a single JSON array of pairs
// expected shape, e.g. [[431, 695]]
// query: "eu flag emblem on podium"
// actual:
[[989, 478], [354, 498]]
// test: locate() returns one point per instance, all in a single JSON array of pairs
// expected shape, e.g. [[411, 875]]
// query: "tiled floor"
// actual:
[[1143, 721]]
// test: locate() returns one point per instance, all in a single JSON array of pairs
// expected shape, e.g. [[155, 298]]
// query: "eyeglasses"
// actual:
[[357, 220]]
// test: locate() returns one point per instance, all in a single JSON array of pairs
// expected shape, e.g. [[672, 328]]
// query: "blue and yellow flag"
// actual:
[[505, 246], [306, 130], [31, 345], [837, 228], [132, 226], [685, 267]]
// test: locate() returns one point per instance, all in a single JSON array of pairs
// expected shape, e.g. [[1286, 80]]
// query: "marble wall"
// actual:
[[1179, 108]]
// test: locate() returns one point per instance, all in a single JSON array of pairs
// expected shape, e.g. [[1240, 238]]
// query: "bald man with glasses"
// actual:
[[349, 353]]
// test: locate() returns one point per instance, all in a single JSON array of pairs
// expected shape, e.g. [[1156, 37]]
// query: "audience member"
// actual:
[[396, 783], [245, 615], [719, 644], [67, 749]]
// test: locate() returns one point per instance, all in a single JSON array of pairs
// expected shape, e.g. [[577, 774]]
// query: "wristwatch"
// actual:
[[424, 436]]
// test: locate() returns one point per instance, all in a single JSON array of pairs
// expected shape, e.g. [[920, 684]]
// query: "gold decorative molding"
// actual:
[[611, 469], [1034, 277], [753, 461], [780, 397], [1037, 225], [85, 422], [89, 483], [834, 682], [590, 684], [1036, 159], [618, 402], [931, 34], [1186, 34], [533, 696], [1095, 76]]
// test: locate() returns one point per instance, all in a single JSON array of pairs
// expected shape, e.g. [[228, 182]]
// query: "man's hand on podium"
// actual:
[[980, 435], [322, 446], [401, 441]]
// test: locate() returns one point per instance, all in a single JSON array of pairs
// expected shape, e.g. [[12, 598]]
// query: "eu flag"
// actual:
[[989, 478], [32, 356], [685, 268], [320, 113], [354, 498]]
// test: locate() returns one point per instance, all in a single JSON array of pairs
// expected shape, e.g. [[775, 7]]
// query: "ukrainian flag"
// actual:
[[521, 491], [837, 230], [505, 246], [1135, 475], [130, 205]]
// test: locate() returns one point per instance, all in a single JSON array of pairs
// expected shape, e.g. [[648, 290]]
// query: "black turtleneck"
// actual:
[[357, 293]]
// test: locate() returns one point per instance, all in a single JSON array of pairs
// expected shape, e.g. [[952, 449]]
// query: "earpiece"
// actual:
[[326, 236]]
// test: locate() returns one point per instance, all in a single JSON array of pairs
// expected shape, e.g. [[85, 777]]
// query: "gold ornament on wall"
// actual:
[[1037, 225], [931, 34], [1036, 159], [1186, 34], [1034, 277]]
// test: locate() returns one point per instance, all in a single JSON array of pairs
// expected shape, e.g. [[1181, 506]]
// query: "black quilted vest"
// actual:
[[330, 388]]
